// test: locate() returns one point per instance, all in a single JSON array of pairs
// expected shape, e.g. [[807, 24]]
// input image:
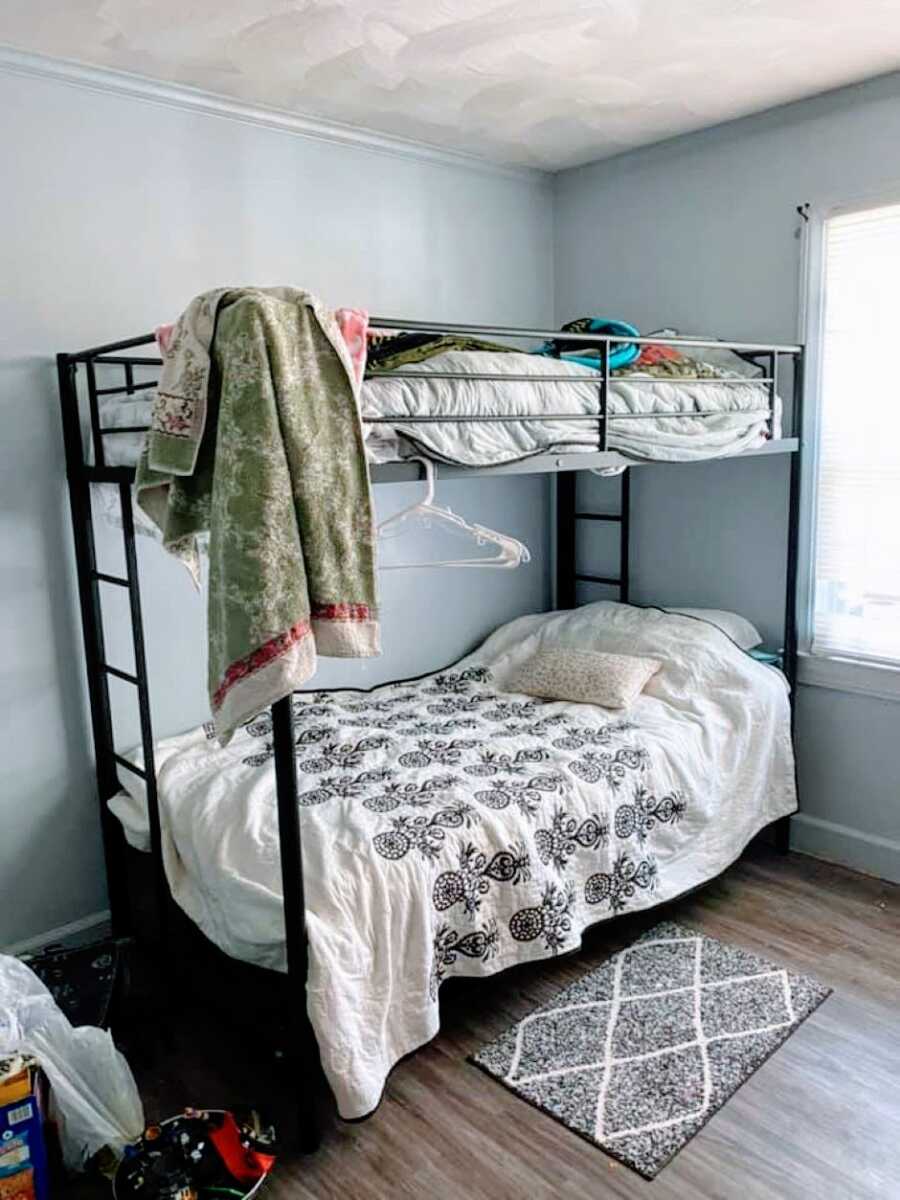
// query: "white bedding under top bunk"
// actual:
[[674, 434], [450, 828]]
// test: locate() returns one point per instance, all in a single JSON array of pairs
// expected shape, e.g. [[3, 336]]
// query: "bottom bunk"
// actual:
[[455, 825]]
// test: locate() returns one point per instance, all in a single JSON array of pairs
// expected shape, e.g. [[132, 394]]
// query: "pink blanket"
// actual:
[[352, 322]]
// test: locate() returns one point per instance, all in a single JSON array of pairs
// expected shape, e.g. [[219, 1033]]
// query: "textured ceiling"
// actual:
[[547, 83]]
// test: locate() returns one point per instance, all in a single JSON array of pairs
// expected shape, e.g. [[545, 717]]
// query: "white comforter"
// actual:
[[451, 829], [671, 434], [667, 430]]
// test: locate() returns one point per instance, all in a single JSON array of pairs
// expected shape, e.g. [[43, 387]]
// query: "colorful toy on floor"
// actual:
[[198, 1155]]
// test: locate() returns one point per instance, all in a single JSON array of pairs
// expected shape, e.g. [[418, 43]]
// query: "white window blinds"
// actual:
[[857, 558]]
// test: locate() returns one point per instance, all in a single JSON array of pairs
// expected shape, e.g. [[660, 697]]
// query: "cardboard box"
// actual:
[[23, 1152]]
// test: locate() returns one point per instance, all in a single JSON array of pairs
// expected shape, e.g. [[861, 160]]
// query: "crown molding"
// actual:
[[175, 95]]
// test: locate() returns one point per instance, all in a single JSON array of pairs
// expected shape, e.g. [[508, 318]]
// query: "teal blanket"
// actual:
[[621, 354]]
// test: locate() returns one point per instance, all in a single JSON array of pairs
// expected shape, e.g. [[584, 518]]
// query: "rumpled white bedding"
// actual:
[[739, 423], [673, 434], [450, 829]]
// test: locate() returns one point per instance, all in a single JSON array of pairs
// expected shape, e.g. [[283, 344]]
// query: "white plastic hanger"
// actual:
[[511, 552]]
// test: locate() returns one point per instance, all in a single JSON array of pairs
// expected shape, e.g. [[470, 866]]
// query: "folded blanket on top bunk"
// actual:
[[620, 353], [670, 409], [255, 439]]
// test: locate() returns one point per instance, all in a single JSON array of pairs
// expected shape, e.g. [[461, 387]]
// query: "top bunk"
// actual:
[[478, 402]]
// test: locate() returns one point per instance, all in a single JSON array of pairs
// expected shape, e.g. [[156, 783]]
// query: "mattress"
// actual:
[[451, 827], [650, 418]]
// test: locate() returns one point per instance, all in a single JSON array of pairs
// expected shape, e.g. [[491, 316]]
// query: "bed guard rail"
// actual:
[[766, 355]]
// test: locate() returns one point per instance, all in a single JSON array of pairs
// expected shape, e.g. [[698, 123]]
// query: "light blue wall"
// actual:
[[686, 548], [114, 213], [701, 233]]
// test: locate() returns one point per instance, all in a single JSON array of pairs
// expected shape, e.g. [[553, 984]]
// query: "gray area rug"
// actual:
[[638, 1054]]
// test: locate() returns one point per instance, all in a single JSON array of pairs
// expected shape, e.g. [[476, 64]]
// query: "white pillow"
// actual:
[[738, 628], [585, 676]]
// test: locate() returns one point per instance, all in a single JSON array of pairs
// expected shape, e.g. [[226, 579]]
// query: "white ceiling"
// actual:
[[548, 83]]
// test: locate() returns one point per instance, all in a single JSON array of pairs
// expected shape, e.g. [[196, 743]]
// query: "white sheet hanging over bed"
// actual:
[[451, 829]]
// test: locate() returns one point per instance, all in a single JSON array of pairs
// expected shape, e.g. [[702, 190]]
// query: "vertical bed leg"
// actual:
[[782, 830], [300, 1055], [625, 537], [565, 539], [783, 827]]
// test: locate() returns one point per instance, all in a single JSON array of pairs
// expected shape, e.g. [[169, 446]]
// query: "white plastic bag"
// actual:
[[94, 1093]]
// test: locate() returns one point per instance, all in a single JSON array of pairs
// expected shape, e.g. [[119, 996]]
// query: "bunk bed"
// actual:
[[504, 399]]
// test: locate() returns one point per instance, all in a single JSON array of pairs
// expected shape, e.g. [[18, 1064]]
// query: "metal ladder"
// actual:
[[567, 514], [99, 670]]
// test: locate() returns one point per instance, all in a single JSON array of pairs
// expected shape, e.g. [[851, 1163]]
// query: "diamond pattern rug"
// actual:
[[637, 1055]]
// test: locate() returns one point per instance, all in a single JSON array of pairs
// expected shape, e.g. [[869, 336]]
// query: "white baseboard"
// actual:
[[29, 945], [865, 852]]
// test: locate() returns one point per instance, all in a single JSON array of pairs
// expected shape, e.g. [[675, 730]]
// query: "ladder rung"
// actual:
[[599, 579], [104, 578], [598, 517], [132, 360], [121, 674], [122, 391], [130, 766]]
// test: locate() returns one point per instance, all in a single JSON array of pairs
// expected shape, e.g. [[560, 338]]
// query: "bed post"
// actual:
[[625, 536], [299, 1051], [783, 827], [565, 539], [141, 682]]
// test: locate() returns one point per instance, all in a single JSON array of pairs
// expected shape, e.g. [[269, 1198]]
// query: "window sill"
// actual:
[[849, 675]]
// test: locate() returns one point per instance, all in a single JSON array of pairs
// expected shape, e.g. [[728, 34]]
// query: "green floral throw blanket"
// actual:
[[256, 440]]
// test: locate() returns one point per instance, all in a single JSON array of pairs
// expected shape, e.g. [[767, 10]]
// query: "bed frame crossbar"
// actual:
[[81, 473]]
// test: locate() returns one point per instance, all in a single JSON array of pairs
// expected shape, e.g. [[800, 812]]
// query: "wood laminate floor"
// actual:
[[819, 1121]]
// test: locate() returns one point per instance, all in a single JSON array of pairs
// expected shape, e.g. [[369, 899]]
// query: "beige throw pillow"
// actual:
[[585, 676]]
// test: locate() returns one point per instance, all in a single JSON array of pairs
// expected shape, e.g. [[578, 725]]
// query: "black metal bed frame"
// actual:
[[300, 1051]]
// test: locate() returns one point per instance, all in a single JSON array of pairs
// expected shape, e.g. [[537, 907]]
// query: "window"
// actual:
[[856, 584]]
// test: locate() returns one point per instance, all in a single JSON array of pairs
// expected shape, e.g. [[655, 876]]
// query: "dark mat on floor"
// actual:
[[81, 979], [637, 1055]]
